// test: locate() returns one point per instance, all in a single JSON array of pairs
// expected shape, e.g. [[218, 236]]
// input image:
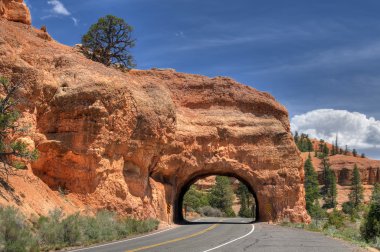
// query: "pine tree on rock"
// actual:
[[109, 42]]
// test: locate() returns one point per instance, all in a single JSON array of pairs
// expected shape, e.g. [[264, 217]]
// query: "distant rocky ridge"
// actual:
[[343, 166]]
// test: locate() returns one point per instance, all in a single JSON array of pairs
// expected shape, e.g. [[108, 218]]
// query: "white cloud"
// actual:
[[353, 128], [75, 21], [59, 8]]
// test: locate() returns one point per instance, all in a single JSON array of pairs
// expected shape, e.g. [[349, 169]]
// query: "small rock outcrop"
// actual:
[[15, 10], [132, 142]]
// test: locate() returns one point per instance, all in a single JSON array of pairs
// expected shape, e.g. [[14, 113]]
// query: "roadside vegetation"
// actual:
[[57, 231], [218, 201], [355, 221]]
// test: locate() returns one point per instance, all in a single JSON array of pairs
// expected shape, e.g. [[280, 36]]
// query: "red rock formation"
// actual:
[[15, 10], [131, 142]]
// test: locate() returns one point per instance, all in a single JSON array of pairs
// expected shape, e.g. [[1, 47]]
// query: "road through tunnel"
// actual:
[[215, 195]]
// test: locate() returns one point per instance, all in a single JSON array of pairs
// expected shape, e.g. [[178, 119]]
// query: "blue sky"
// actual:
[[310, 55]]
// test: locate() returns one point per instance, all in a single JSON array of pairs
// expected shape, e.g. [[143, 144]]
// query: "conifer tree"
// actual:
[[310, 147], [222, 195], [354, 153], [356, 195], [346, 150], [311, 186], [329, 190], [333, 152], [109, 42], [326, 150], [336, 145], [321, 145], [296, 137], [370, 228], [243, 194]]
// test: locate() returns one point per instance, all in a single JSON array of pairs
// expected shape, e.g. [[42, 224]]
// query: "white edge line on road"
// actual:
[[116, 242], [224, 244]]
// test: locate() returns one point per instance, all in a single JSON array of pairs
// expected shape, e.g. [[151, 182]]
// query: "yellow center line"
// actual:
[[175, 240]]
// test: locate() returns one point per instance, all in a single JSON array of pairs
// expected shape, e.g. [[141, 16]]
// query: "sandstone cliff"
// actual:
[[132, 142]]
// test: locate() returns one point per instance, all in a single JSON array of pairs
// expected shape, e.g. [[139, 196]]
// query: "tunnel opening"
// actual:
[[204, 196]]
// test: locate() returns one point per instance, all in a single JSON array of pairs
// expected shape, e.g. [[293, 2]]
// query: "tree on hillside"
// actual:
[[326, 150], [354, 153], [356, 195], [346, 150], [311, 188], [363, 155], [222, 195], [296, 137], [13, 153], [333, 151], [329, 190], [320, 145], [108, 42], [370, 228], [303, 142]]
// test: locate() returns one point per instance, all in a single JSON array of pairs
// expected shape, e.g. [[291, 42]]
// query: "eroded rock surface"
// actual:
[[130, 142], [15, 10]]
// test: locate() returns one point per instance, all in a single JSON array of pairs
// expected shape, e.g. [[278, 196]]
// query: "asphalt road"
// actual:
[[217, 234]]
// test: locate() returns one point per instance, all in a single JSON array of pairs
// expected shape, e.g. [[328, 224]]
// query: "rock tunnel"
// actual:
[[178, 201], [133, 142]]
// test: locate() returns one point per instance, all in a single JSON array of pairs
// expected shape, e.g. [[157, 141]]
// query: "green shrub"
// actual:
[[230, 213], [347, 207], [107, 225], [71, 230], [370, 228], [49, 230], [15, 234], [210, 211], [56, 232], [336, 219], [194, 199]]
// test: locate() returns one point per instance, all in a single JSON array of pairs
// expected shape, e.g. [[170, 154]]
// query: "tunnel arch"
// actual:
[[178, 217]]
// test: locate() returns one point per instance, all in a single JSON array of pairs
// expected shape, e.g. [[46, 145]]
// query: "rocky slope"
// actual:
[[131, 142]]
